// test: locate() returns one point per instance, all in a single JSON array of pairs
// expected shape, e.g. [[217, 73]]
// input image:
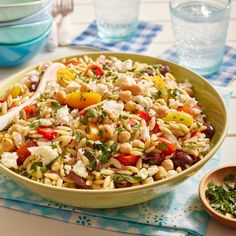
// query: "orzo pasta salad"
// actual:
[[101, 124]]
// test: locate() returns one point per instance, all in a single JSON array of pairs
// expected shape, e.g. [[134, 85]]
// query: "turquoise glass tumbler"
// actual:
[[200, 30], [117, 20]]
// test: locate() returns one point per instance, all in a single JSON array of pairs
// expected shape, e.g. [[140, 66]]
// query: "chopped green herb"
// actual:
[[35, 124], [132, 179], [55, 104], [223, 197]]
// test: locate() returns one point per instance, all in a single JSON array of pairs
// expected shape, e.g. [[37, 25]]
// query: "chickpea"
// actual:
[[7, 145], [130, 106], [125, 96], [84, 88], [108, 132], [126, 148], [161, 173], [136, 89], [167, 164], [61, 97], [124, 136]]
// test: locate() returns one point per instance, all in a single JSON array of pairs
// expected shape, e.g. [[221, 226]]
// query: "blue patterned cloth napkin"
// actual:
[[146, 32], [226, 73]]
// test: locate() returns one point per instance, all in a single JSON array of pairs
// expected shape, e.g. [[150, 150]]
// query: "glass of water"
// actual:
[[200, 29], [116, 20]]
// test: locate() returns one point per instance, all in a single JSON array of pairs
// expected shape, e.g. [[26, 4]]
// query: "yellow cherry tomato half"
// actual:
[[180, 117], [82, 100], [64, 77], [160, 85], [93, 131], [15, 91]]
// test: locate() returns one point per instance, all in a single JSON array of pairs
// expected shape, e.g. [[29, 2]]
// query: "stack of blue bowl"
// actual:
[[24, 29]]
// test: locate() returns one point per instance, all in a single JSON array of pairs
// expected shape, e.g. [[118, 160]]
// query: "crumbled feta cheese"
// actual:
[[45, 153], [63, 116], [72, 86], [113, 107], [80, 153], [145, 102], [80, 169], [125, 80], [8, 159], [123, 66], [146, 87], [143, 173], [144, 133], [67, 169], [152, 170], [98, 88]]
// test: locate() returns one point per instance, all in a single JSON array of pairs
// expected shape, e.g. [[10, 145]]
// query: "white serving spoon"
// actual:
[[49, 75]]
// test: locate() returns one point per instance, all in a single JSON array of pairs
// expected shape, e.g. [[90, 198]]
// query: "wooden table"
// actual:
[[16, 223]]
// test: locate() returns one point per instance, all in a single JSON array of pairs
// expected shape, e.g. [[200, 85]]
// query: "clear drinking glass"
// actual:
[[116, 20], [200, 29]]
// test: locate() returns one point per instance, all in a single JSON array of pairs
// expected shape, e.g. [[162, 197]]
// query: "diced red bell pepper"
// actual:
[[47, 132], [96, 70], [156, 129], [144, 115], [30, 111], [193, 133], [23, 152], [166, 146], [127, 160]]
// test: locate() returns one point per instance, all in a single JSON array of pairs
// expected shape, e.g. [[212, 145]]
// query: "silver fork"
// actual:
[[52, 42], [64, 26]]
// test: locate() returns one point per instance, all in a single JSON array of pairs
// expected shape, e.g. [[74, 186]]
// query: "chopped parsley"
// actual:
[[223, 197]]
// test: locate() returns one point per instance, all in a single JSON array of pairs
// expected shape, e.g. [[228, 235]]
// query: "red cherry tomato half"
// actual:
[[30, 111], [47, 132], [166, 146], [23, 152], [96, 70], [144, 115], [127, 160]]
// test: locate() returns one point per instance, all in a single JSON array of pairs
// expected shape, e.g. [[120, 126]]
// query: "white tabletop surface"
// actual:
[[14, 223]]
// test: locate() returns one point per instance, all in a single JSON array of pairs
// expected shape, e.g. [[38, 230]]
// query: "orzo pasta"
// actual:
[[103, 124]]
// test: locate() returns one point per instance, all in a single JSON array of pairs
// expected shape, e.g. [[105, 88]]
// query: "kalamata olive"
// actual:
[[209, 131], [182, 159], [154, 159], [122, 184], [79, 181], [164, 69], [33, 86], [149, 71]]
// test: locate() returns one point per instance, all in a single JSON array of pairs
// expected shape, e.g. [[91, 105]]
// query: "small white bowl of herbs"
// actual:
[[217, 191]]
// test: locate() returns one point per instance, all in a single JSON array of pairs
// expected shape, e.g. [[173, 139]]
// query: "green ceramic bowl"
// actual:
[[17, 9], [24, 32], [216, 114]]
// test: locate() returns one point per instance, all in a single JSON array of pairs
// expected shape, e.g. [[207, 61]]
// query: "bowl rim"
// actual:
[[133, 188], [203, 199], [28, 42], [24, 4], [9, 27]]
